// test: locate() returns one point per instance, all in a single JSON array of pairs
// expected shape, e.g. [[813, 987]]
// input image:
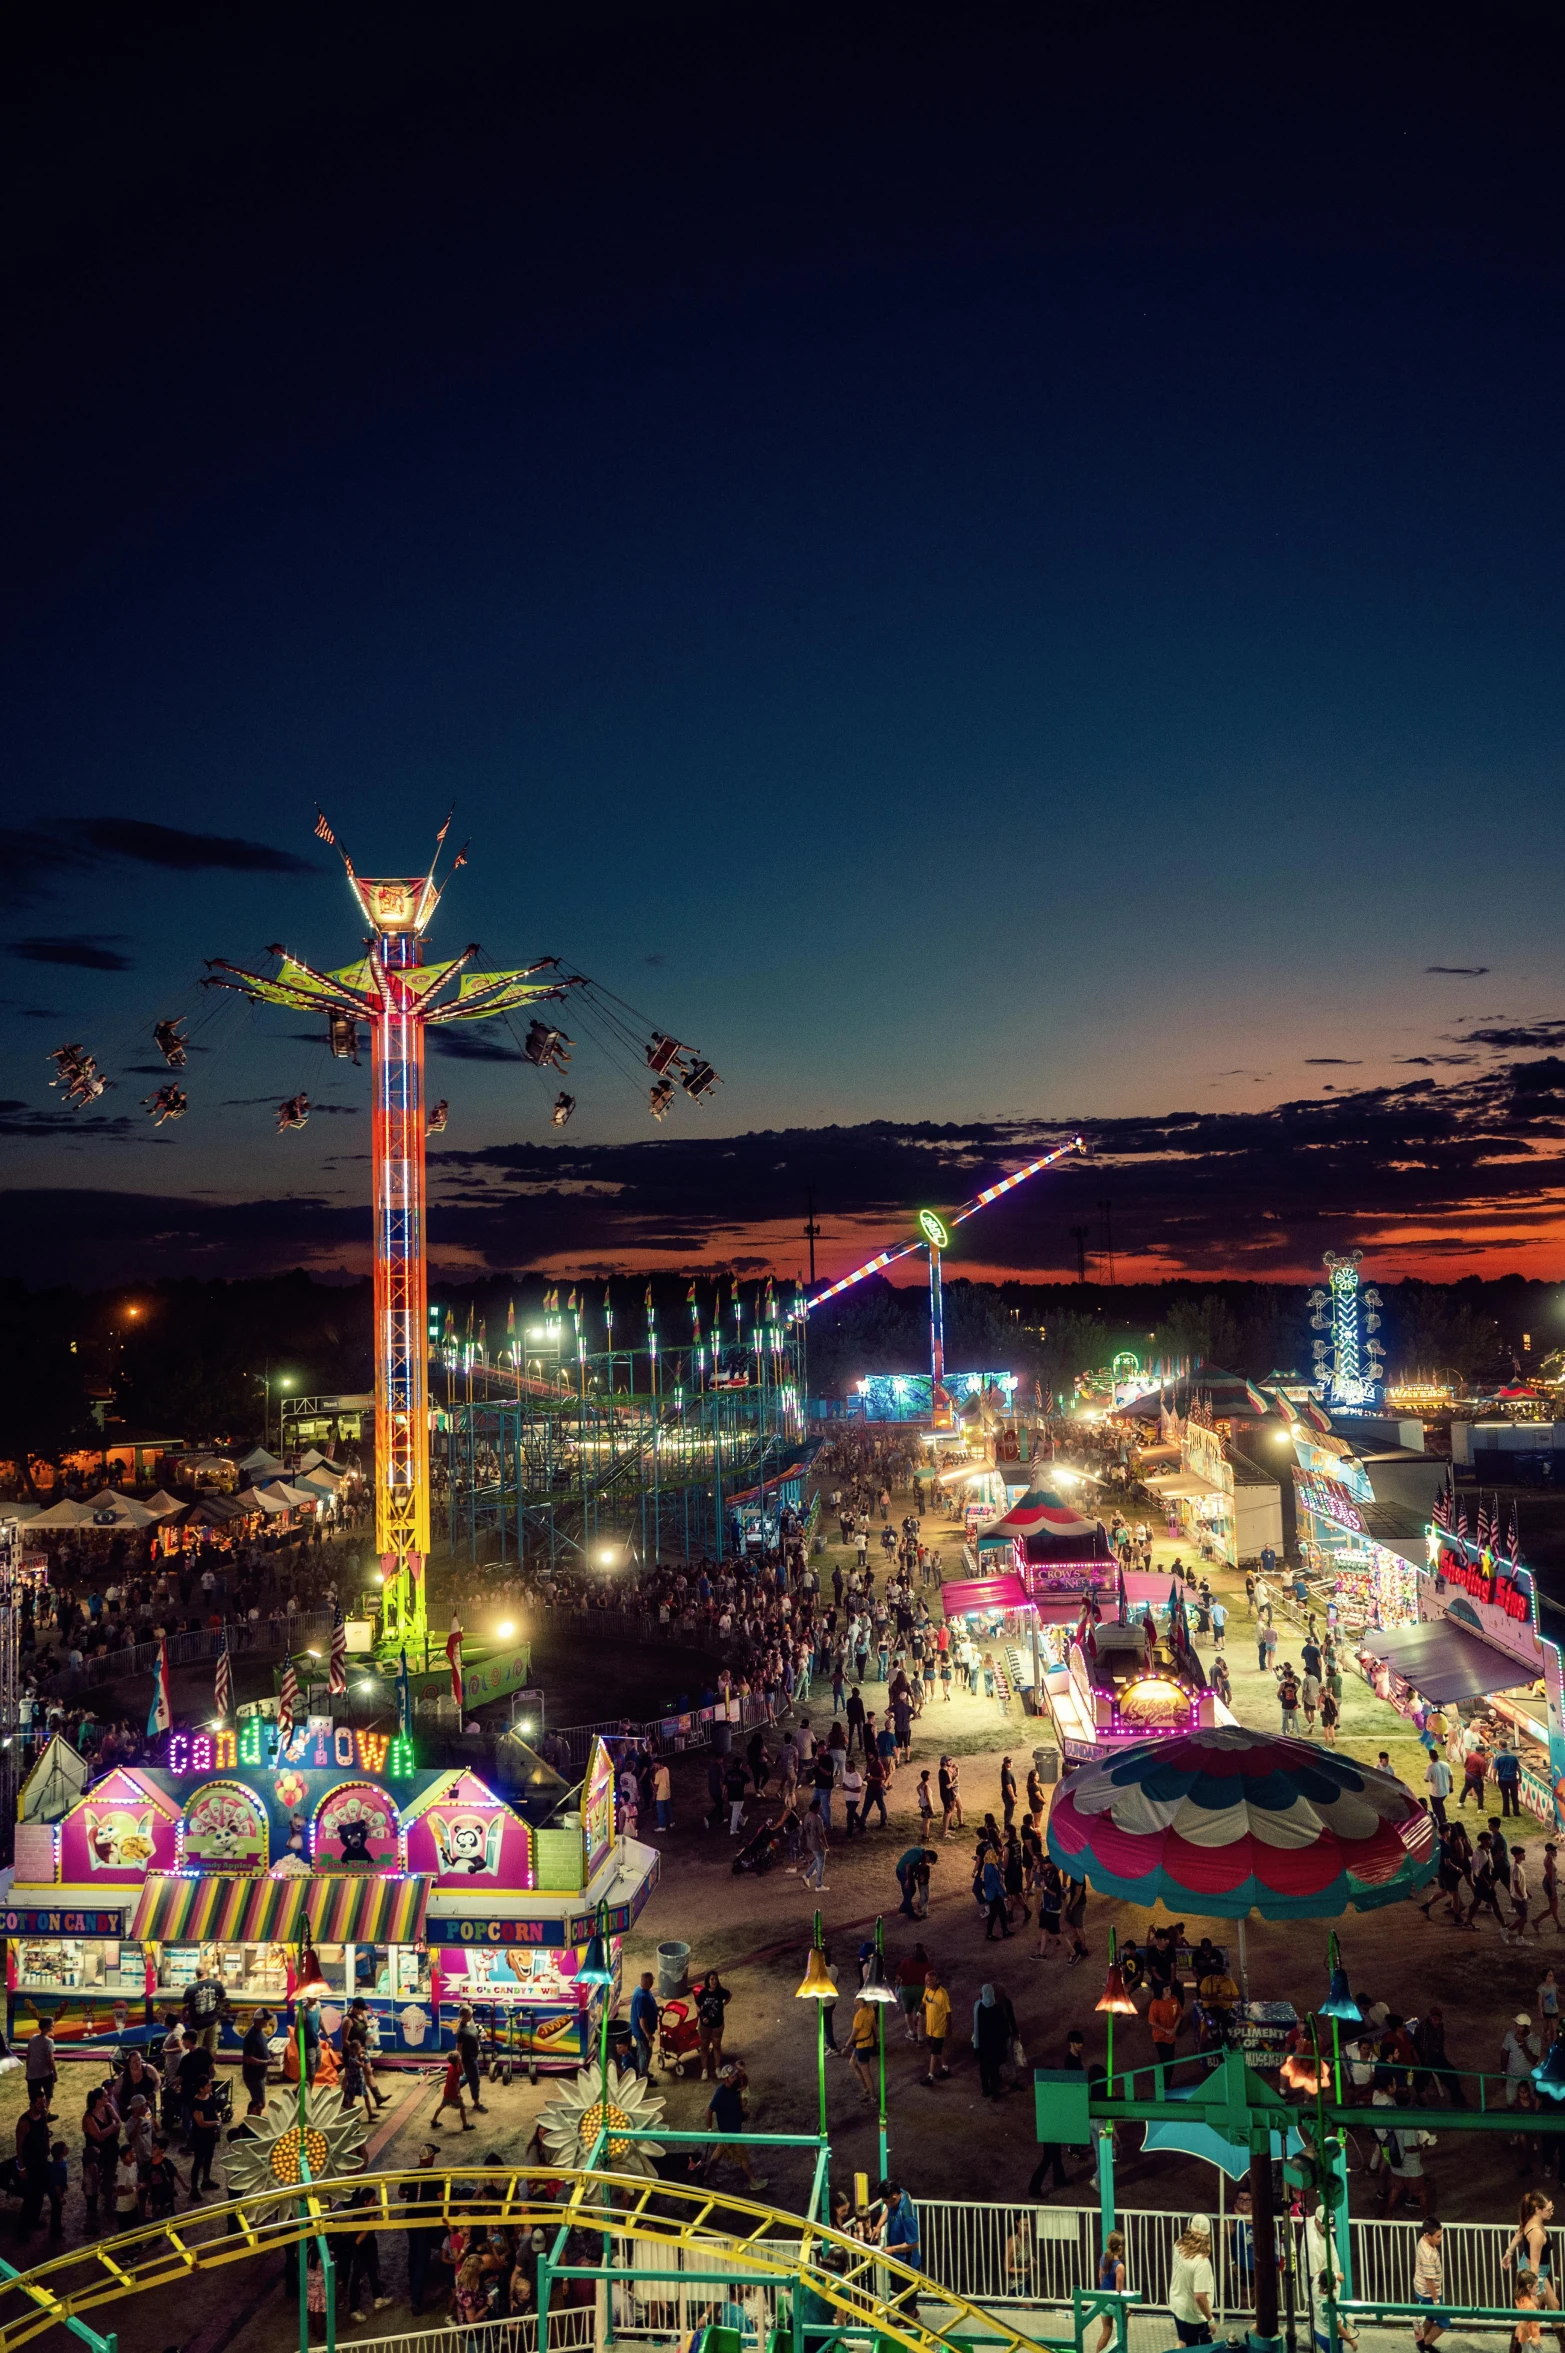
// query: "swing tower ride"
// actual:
[[397, 996]]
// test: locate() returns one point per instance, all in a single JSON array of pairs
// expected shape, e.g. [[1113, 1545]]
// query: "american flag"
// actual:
[[1461, 1521], [454, 1654], [1515, 1546], [1442, 1511], [323, 832], [287, 1703], [223, 1683], [337, 1677], [1484, 1532]]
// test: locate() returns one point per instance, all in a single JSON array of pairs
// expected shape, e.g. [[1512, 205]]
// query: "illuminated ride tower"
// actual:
[[1350, 1368], [399, 997], [934, 1235]]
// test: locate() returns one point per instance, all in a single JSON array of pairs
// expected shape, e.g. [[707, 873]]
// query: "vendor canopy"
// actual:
[[337, 1907], [1048, 1529], [1444, 1661], [982, 1593]]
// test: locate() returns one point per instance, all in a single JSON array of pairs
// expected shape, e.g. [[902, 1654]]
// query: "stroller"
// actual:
[[762, 1852], [678, 2040]]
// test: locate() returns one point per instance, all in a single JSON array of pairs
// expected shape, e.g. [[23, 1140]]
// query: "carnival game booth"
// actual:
[[1119, 1683], [1475, 1649], [334, 1854]]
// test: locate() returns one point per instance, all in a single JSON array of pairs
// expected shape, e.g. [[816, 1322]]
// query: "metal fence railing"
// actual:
[[1024, 2254], [277, 1633], [572, 2329]]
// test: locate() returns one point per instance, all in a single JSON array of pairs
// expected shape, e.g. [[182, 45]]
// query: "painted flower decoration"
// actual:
[[268, 2159], [573, 2119]]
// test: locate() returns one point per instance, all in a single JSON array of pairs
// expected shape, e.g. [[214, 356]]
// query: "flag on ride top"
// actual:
[[404, 1698], [1461, 1521], [160, 1716], [1483, 1530], [446, 828], [454, 1654], [1514, 1548], [223, 1682], [323, 832], [690, 1296], [337, 1672], [460, 859], [510, 1331], [647, 1299], [608, 1302], [1442, 1511], [574, 1303], [287, 1705]]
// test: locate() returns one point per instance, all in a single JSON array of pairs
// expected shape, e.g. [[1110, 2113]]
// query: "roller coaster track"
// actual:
[[865, 2289]]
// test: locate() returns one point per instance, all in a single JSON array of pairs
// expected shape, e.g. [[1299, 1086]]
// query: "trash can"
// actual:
[[673, 1965], [1047, 1761]]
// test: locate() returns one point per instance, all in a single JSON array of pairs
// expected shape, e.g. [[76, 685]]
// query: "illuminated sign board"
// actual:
[[934, 1229], [1328, 1499], [318, 1746], [1501, 1593]]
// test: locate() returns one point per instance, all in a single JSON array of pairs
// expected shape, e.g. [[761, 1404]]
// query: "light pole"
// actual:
[[818, 1988], [876, 1990]]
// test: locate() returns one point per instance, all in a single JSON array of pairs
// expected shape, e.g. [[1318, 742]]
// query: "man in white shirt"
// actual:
[[1437, 1780]]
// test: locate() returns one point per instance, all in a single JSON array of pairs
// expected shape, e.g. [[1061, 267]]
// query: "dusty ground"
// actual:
[[947, 2143]]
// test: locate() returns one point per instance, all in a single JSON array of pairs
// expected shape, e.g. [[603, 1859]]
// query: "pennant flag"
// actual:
[[470, 1319], [460, 859], [223, 1683], [647, 1299], [160, 1716], [446, 828], [454, 1654], [690, 1296], [510, 1331], [404, 1699], [287, 1705], [337, 1675], [574, 1303], [1257, 1402], [608, 1301]]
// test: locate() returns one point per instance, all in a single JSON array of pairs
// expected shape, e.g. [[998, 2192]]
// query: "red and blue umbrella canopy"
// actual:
[[1227, 1821]]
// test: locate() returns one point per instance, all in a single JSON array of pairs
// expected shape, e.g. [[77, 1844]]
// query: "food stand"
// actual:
[[240, 1853], [1476, 1641]]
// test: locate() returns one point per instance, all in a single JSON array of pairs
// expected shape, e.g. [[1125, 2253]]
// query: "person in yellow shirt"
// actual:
[[937, 2024]]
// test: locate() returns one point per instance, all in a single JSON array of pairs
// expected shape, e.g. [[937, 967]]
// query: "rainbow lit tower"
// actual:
[[398, 997]]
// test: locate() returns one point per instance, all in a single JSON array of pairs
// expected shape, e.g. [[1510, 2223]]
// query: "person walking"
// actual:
[[1007, 1795], [467, 2047], [644, 2016], [451, 2091], [912, 1977], [206, 2123], [813, 1833], [1551, 1890], [1437, 1780], [991, 2040], [997, 1913], [1508, 1778], [663, 1794], [937, 2024], [1191, 2286], [712, 2000], [1429, 2282], [950, 1796], [1075, 1921]]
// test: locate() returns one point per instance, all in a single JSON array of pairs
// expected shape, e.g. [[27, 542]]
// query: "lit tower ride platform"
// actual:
[[397, 996]]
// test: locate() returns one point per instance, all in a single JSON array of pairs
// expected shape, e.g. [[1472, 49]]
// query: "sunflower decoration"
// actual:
[[266, 2156], [572, 2121]]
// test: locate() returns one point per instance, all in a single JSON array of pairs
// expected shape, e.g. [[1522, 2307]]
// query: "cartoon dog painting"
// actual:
[[468, 1844]]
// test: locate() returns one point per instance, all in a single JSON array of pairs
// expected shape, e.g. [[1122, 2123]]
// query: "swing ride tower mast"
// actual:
[[397, 996]]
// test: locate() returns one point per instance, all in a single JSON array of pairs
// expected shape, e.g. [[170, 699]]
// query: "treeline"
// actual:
[[191, 1358]]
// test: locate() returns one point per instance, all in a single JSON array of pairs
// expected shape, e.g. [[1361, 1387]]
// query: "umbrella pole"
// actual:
[[1264, 2337]]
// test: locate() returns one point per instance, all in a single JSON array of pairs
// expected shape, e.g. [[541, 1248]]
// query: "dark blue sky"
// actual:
[[981, 564]]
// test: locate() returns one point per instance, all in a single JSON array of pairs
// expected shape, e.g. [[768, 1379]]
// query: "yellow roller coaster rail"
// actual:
[[863, 2288]]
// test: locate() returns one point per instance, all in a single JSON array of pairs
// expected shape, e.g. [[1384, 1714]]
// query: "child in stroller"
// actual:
[[763, 1852]]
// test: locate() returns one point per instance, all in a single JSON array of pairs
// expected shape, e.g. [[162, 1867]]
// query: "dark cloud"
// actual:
[[658, 959], [1519, 1037], [89, 952], [1460, 971], [1437, 1061], [37, 861], [1260, 1193], [468, 1044], [1331, 1062]]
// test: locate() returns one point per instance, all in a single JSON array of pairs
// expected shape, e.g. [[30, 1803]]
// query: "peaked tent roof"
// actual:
[[67, 1513], [259, 1460], [1042, 1511], [124, 1508]]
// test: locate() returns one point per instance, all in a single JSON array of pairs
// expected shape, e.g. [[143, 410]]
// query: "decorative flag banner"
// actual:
[[160, 1716], [337, 1674], [454, 1654], [223, 1683], [287, 1703]]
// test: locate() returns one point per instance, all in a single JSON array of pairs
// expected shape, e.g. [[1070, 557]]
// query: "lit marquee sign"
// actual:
[[318, 1746]]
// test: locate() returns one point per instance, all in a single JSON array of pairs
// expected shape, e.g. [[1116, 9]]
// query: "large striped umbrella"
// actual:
[[1225, 1821]]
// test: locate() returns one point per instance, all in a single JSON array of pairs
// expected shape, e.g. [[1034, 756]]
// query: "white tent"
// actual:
[[290, 1495], [125, 1510], [65, 1514], [162, 1504], [259, 1460], [269, 1498], [321, 1464]]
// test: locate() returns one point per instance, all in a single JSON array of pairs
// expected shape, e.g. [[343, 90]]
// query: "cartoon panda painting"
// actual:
[[468, 1844]]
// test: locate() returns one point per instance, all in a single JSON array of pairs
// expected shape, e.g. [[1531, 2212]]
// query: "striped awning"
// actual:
[[219, 1910], [345, 1907]]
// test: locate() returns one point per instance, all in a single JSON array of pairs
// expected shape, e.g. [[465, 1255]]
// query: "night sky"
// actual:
[[995, 569]]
